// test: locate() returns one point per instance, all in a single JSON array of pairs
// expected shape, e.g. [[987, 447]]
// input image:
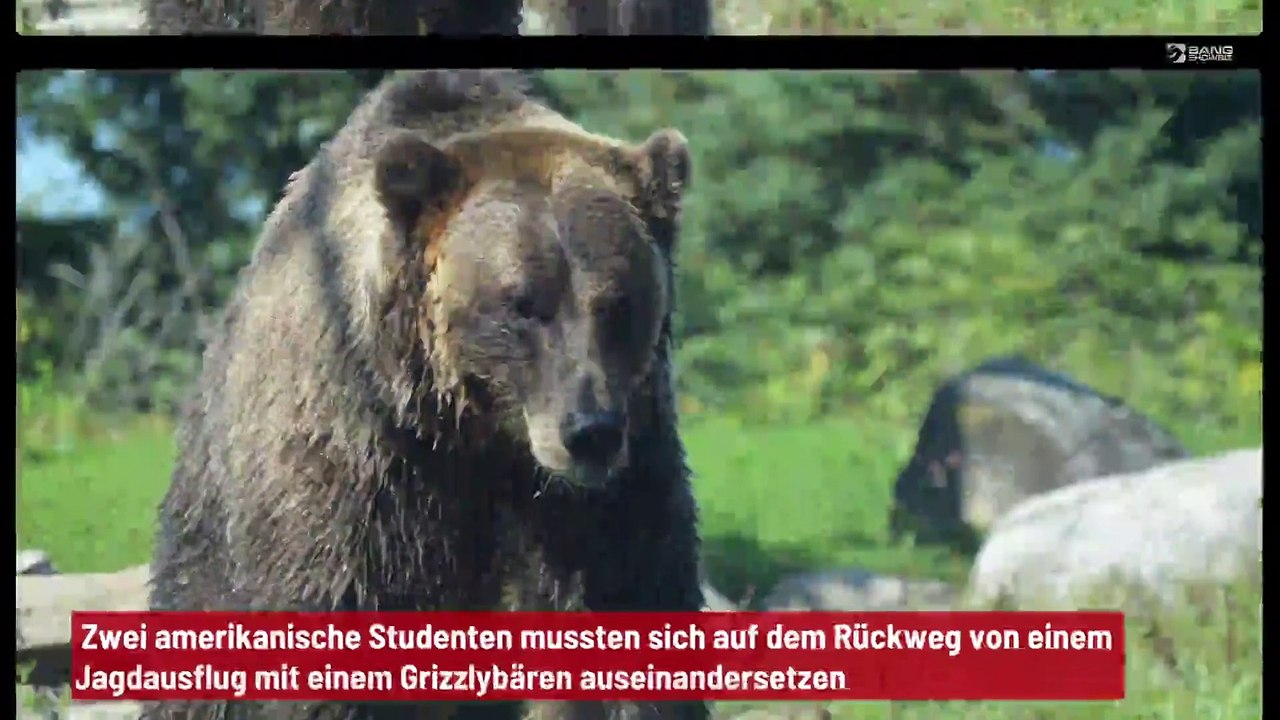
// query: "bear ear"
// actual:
[[414, 177], [663, 168]]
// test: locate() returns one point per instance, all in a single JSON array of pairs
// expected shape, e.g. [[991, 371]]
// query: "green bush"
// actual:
[[853, 238]]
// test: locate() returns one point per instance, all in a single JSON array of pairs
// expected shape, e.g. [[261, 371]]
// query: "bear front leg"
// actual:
[[649, 560], [643, 556], [653, 529], [632, 548], [661, 574]]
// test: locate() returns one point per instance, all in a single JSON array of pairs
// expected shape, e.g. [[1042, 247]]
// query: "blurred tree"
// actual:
[[188, 162], [1203, 108], [851, 237], [211, 148]]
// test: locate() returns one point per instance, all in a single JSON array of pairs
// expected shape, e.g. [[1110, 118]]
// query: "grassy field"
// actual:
[[775, 500], [87, 496]]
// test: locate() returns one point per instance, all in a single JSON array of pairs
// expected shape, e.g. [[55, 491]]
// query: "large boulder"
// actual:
[[1009, 430], [1154, 532]]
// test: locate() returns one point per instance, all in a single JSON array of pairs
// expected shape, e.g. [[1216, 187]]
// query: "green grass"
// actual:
[[92, 507], [88, 485], [1202, 667], [995, 17], [775, 500]]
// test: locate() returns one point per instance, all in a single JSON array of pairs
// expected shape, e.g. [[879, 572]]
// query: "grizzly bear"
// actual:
[[444, 383]]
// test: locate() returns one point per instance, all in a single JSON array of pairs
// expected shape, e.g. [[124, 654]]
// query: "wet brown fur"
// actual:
[[334, 17], [337, 455]]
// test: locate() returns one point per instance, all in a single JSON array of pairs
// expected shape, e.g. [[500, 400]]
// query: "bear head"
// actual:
[[547, 259]]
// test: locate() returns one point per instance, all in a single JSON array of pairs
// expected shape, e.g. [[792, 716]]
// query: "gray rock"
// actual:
[[45, 697], [1194, 521], [35, 562], [855, 590], [59, 707], [1009, 430], [44, 604]]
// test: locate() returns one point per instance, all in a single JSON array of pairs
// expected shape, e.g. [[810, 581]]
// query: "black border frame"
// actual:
[[227, 52]]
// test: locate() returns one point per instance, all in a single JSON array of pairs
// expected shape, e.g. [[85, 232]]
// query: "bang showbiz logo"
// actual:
[[1183, 53]]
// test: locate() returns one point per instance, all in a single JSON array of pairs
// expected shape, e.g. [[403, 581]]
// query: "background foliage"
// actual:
[[851, 240]]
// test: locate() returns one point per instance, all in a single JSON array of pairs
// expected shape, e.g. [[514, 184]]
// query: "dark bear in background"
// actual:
[[444, 382], [340, 17], [1008, 430], [421, 17]]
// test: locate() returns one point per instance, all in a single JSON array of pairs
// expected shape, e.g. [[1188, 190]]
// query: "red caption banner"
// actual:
[[598, 656]]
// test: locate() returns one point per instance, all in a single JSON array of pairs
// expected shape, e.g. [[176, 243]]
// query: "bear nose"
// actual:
[[593, 437]]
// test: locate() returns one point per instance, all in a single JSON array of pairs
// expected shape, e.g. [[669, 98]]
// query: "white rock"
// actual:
[[1188, 521], [35, 562], [44, 605]]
